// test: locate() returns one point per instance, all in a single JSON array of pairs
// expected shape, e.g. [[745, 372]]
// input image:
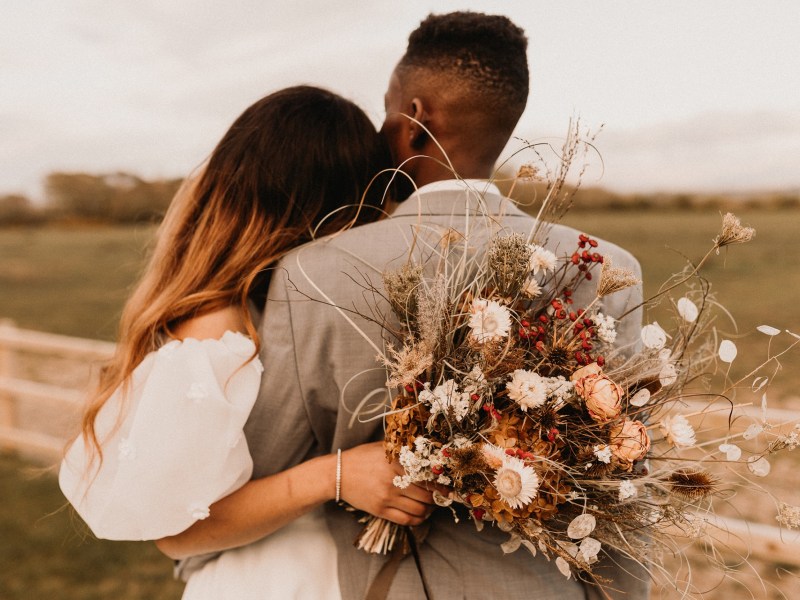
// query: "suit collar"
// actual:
[[454, 197]]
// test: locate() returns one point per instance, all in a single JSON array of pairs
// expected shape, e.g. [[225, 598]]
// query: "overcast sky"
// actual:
[[694, 95]]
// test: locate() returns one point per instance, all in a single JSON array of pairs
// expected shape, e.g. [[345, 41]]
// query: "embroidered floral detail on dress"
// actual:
[[199, 511], [126, 450], [234, 441], [256, 364], [197, 392]]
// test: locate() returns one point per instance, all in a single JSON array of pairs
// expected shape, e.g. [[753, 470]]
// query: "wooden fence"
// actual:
[[745, 538], [17, 386]]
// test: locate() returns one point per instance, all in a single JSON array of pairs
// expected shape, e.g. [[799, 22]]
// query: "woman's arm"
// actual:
[[263, 506]]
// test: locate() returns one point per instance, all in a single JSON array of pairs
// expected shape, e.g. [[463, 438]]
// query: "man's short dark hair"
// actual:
[[488, 52]]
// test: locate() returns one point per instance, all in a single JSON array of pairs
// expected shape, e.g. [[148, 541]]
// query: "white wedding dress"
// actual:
[[179, 448]]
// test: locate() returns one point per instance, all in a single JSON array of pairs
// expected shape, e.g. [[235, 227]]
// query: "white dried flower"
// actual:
[[732, 451], [527, 389], [678, 431], [627, 489], [445, 398], [606, 330], [588, 550], [759, 466], [489, 320], [727, 351], [541, 259], [733, 232], [603, 453], [653, 337], [581, 526], [516, 482], [688, 310], [532, 288], [789, 516]]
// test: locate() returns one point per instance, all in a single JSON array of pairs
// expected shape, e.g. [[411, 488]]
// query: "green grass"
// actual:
[[45, 551], [70, 280]]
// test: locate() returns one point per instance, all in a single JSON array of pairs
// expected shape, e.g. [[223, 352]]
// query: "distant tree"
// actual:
[[116, 197], [16, 209], [78, 195]]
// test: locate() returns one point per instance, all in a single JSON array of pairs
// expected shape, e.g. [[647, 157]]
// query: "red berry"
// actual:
[[600, 360], [543, 318], [572, 315], [593, 243], [575, 259], [478, 513], [525, 324], [474, 397], [437, 470], [511, 451], [589, 276], [409, 388]]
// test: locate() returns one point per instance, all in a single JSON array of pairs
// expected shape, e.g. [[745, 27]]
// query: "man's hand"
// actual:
[[367, 485]]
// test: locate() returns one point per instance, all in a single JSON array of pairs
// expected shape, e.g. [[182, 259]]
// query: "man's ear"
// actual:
[[418, 136]]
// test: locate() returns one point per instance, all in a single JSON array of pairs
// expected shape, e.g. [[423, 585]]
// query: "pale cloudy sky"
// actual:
[[694, 95]]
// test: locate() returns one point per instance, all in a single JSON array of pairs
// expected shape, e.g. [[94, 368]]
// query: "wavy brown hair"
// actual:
[[297, 164]]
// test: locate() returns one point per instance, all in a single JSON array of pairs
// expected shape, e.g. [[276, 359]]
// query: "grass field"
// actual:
[[45, 551], [74, 281]]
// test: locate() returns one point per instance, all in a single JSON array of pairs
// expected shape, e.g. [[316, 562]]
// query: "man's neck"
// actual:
[[429, 171]]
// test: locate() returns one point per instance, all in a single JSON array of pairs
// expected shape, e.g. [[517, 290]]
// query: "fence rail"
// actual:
[[16, 387], [754, 539]]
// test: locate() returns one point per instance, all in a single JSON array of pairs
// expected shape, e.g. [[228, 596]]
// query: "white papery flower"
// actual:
[[627, 489], [559, 388], [445, 397], [606, 330], [541, 259], [727, 351], [589, 549], [581, 526], [603, 453], [688, 310], [678, 431], [515, 482], [653, 336], [732, 451], [527, 389], [489, 320], [532, 288], [759, 466]]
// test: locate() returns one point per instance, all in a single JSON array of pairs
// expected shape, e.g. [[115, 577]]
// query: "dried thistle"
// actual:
[[406, 364], [733, 232], [401, 287], [692, 484], [467, 461], [613, 279], [509, 262]]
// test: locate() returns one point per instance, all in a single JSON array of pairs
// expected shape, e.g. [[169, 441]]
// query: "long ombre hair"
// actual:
[[296, 164]]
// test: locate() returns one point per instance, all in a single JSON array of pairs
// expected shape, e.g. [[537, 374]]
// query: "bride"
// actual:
[[162, 455]]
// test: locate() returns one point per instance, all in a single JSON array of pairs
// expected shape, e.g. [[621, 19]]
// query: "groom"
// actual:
[[464, 82]]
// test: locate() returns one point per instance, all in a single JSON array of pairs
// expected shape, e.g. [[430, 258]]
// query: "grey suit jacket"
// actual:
[[319, 368]]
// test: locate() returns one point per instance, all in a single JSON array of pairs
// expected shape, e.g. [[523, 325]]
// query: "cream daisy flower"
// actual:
[[489, 320], [678, 431], [516, 482], [527, 389], [541, 259]]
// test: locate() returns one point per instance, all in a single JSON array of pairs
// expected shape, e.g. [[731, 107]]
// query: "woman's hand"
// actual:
[[367, 484]]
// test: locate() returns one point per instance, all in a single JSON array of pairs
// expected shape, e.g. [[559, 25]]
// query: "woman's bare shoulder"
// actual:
[[212, 325]]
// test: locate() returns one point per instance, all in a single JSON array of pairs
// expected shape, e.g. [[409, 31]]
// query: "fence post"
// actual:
[[7, 401]]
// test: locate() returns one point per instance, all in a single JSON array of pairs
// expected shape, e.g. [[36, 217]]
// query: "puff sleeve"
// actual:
[[173, 443]]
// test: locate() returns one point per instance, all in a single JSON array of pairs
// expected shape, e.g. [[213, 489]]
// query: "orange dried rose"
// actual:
[[629, 441], [602, 396]]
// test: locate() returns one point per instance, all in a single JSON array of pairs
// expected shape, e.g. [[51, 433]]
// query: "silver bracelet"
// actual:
[[338, 475]]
